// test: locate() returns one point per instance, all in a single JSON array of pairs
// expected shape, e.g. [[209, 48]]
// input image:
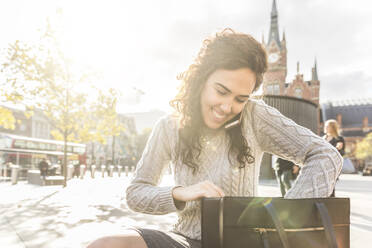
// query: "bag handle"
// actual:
[[278, 225], [220, 222], [327, 223]]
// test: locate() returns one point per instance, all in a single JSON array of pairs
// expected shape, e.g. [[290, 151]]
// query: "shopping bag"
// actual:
[[265, 222]]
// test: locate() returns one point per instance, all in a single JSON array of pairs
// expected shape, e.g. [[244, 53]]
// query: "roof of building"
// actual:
[[353, 111]]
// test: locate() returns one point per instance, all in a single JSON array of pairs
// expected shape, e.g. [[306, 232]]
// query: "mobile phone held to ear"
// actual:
[[234, 122]]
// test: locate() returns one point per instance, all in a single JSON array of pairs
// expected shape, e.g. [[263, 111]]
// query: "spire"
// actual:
[[274, 9], [314, 76], [283, 35], [274, 29], [263, 39], [298, 67]]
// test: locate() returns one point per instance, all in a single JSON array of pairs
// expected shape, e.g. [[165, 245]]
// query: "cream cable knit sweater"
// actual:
[[266, 130]]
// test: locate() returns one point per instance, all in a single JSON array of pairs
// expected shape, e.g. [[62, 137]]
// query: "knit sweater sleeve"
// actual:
[[321, 163], [143, 194]]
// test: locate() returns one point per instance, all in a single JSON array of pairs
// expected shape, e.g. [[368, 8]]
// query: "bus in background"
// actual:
[[28, 152]]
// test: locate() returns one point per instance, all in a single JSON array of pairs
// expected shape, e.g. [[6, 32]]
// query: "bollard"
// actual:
[[15, 169], [126, 169], [82, 171], [119, 170], [70, 170], [92, 170], [103, 168], [3, 171], [111, 170]]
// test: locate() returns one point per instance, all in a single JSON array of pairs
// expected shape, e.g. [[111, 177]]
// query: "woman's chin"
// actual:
[[213, 125]]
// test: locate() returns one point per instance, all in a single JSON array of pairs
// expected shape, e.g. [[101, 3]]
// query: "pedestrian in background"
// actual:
[[332, 135], [43, 167], [76, 171], [284, 172], [215, 141]]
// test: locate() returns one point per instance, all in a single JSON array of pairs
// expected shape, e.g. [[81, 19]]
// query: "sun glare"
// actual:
[[102, 35]]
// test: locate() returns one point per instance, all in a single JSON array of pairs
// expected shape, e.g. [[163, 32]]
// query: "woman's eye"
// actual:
[[240, 100], [221, 92]]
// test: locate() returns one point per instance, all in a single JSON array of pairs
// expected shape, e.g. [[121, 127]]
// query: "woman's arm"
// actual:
[[143, 194], [320, 161]]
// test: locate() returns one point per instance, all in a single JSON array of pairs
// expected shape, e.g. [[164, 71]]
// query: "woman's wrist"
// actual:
[[176, 194]]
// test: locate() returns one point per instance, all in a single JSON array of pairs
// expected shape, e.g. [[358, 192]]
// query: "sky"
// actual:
[[141, 46]]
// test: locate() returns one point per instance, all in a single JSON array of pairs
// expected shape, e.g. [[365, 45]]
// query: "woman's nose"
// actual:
[[226, 108]]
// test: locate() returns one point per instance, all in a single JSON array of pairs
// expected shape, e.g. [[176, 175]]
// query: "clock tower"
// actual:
[[274, 78]]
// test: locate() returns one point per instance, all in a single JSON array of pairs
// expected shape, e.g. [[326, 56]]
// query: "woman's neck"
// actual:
[[206, 131], [331, 135]]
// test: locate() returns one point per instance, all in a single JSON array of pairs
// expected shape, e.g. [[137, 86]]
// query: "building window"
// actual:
[[273, 89], [298, 92]]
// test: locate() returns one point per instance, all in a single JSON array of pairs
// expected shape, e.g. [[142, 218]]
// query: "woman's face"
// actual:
[[224, 95], [328, 129]]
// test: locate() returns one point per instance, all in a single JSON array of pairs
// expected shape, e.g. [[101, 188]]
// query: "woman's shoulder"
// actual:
[[252, 102], [168, 121], [257, 106], [251, 110]]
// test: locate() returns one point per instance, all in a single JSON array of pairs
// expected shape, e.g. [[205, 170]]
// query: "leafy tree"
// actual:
[[7, 119], [103, 120], [12, 87], [364, 148], [59, 90]]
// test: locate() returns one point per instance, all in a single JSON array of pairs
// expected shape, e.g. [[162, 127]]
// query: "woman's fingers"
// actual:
[[218, 189], [212, 190], [196, 191]]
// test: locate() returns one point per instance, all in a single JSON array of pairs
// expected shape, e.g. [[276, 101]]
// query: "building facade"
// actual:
[[35, 126]]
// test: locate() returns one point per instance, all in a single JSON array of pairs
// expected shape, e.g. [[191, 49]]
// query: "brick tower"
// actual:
[[274, 79]]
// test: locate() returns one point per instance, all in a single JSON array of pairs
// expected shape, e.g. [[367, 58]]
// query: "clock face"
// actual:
[[273, 57]]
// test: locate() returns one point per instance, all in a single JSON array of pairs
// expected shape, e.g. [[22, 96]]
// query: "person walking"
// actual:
[[214, 141], [43, 167], [284, 171], [332, 135]]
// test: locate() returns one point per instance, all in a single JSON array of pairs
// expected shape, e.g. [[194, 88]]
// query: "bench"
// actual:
[[33, 177]]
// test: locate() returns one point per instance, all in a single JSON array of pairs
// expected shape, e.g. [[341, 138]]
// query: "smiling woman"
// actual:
[[210, 160]]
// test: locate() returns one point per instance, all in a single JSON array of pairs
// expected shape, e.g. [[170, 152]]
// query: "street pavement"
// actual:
[[51, 216]]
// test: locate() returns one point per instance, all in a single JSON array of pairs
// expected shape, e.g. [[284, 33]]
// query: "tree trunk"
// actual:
[[113, 150], [65, 160], [93, 159]]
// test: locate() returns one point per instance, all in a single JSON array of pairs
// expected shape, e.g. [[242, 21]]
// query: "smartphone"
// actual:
[[233, 122]]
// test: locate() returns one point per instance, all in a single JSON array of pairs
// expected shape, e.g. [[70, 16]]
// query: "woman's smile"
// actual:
[[219, 116]]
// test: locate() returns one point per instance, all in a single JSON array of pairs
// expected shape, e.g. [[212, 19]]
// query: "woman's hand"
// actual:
[[295, 169], [197, 191], [339, 145]]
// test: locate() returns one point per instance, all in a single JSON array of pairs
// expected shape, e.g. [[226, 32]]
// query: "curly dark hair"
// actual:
[[227, 50]]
